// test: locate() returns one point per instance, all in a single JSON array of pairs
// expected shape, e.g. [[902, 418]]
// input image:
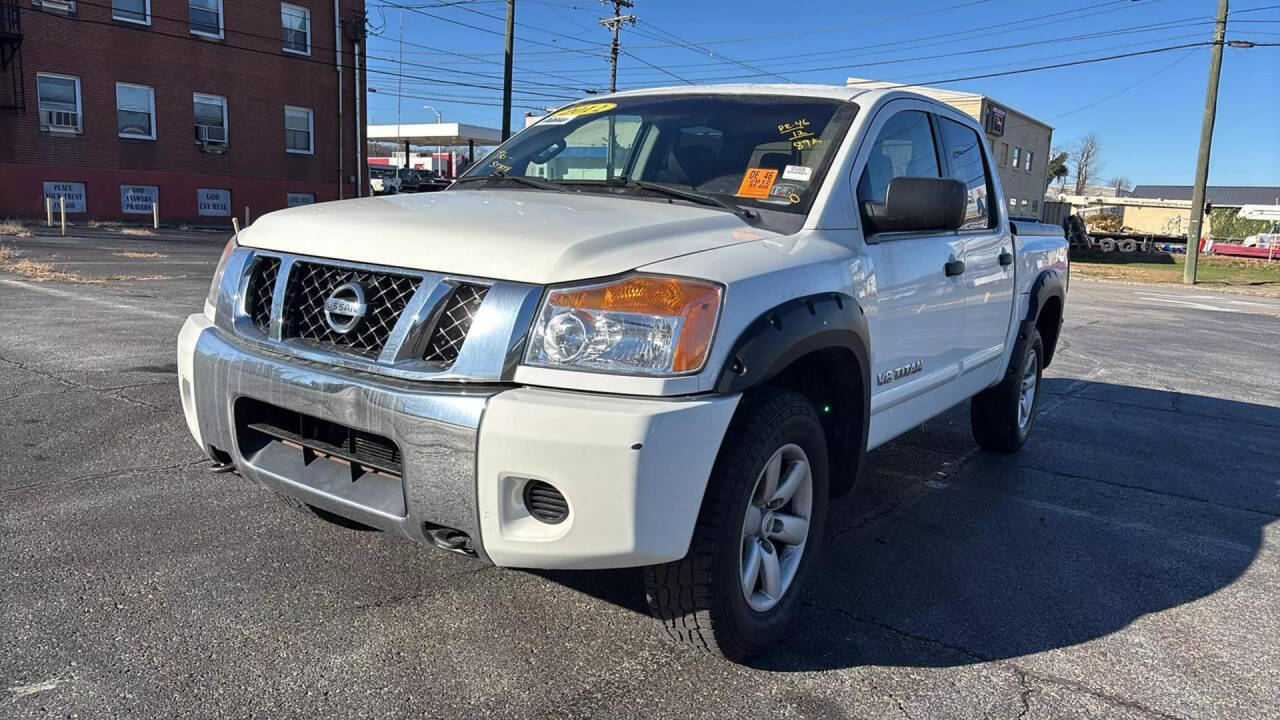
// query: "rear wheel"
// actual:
[[758, 534], [1002, 416]]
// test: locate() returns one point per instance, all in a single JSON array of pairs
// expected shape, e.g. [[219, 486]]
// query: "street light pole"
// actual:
[[439, 120], [1206, 141]]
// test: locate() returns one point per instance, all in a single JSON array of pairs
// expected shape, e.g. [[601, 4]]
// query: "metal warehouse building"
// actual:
[[205, 107]]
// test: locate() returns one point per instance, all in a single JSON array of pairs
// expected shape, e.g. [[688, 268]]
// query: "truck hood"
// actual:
[[528, 236]]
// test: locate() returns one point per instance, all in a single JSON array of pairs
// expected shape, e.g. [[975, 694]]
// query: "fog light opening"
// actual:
[[544, 502]]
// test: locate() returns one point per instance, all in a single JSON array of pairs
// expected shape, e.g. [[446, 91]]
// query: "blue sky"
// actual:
[[1146, 110]]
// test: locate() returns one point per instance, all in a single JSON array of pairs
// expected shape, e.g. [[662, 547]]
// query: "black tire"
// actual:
[[993, 413], [1107, 244], [323, 514], [699, 599]]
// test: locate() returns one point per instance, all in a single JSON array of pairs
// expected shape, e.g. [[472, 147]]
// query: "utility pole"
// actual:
[[1206, 140], [615, 24], [506, 77]]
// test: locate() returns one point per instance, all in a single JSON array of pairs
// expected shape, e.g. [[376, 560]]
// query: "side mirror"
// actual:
[[918, 204]]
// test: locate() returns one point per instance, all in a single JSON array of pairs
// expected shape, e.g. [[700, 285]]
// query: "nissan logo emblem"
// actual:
[[345, 308]]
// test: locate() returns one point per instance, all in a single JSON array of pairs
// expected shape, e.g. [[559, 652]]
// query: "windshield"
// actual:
[[764, 151]]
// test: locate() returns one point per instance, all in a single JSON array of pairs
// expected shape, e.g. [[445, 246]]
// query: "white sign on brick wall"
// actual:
[[72, 191], [138, 199], [213, 203]]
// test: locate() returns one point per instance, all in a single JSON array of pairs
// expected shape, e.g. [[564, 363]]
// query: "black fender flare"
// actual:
[[1049, 284], [792, 330]]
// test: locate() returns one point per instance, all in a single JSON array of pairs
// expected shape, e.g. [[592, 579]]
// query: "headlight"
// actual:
[[640, 325], [211, 300]]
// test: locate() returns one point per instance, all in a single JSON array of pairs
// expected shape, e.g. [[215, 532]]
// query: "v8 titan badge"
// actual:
[[757, 183], [561, 117]]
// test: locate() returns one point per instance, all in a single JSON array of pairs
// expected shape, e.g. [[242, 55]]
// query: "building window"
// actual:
[[1013, 203], [1004, 154], [298, 130], [1017, 157], [134, 11], [206, 18], [62, 6], [59, 97], [211, 121], [135, 111], [1035, 206], [295, 26], [1030, 155]]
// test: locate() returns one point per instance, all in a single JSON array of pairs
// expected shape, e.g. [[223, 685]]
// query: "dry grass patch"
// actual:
[[1255, 277], [134, 255], [13, 228], [103, 224], [44, 272], [142, 232]]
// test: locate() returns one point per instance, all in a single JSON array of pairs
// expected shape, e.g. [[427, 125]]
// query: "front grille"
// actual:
[[451, 329], [262, 285], [311, 284]]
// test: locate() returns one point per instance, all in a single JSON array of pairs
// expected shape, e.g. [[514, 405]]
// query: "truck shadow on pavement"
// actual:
[[946, 555]]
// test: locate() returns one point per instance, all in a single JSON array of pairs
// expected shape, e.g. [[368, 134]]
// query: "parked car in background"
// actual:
[[410, 179], [383, 180], [670, 355], [433, 182]]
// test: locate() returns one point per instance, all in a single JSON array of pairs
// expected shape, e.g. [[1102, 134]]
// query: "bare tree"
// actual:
[[1088, 161], [1121, 184]]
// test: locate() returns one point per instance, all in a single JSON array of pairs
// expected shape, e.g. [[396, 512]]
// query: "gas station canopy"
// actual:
[[436, 134]]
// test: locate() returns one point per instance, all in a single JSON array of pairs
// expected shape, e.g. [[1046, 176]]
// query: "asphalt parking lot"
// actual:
[[1124, 565]]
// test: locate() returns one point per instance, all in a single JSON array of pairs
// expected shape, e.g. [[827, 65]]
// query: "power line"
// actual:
[[1075, 38], [276, 54], [1054, 66], [1127, 88], [700, 49], [478, 28]]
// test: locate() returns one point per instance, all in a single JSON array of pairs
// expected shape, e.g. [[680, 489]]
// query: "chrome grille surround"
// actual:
[[486, 341]]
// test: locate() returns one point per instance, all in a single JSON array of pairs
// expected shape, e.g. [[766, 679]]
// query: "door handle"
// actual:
[[1006, 258], [954, 267]]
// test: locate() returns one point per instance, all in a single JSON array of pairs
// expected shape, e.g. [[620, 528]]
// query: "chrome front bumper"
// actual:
[[632, 469], [435, 429]]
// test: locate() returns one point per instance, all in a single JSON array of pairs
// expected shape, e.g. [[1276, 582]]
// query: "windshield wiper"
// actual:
[[691, 195], [518, 179]]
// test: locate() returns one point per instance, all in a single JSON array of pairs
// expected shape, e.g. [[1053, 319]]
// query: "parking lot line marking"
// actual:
[[90, 299]]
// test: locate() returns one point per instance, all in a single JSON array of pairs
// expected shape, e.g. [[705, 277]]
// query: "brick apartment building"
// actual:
[[204, 107]]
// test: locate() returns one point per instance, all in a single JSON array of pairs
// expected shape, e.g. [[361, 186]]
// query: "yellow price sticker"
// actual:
[[560, 117]]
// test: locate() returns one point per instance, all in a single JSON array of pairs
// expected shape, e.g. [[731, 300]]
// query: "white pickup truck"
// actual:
[[659, 328]]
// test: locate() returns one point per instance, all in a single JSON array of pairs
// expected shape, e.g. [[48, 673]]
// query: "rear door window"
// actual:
[[963, 150]]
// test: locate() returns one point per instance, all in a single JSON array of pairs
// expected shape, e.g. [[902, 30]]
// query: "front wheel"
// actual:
[[759, 532]]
